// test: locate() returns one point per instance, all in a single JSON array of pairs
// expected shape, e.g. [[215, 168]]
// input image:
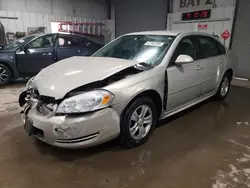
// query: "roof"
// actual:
[[169, 33]]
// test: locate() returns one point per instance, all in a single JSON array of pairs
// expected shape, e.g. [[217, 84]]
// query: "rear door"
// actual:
[[68, 46], [212, 60], [90, 47], [36, 55]]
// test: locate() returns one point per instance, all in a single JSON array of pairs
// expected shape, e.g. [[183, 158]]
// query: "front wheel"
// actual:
[[224, 88], [5, 74], [138, 122]]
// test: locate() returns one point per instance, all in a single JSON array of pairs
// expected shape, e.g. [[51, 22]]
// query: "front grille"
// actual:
[[34, 93], [47, 100], [43, 109], [45, 104]]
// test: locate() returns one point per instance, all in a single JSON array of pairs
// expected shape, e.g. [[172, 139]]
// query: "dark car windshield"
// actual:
[[17, 43], [142, 48]]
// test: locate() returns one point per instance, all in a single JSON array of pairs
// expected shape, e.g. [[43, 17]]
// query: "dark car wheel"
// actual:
[[224, 87], [138, 122], [5, 74]]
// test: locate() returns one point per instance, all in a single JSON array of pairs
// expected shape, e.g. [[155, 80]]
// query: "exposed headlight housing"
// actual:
[[86, 102], [30, 83]]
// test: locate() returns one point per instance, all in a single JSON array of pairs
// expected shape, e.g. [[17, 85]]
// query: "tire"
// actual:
[[144, 127], [226, 84], [5, 74]]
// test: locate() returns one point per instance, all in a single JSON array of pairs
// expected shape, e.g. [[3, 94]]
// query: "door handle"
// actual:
[[44, 54], [49, 54], [222, 62], [79, 51]]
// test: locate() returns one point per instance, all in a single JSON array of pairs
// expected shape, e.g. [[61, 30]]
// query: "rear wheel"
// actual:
[[138, 122], [224, 87], [5, 74]]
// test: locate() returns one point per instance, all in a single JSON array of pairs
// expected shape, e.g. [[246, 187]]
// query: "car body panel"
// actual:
[[178, 86], [163, 32], [212, 70], [32, 61], [63, 53], [75, 72], [9, 59], [69, 132], [184, 84], [127, 89]]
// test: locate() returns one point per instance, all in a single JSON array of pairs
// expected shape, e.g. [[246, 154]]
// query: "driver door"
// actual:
[[36, 55], [183, 80]]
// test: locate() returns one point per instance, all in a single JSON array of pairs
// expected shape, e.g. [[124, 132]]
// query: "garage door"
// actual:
[[140, 15], [241, 38]]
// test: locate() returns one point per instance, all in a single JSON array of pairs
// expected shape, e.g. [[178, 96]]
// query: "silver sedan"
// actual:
[[125, 87]]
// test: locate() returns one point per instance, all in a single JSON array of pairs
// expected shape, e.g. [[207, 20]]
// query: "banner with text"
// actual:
[[187, 5]]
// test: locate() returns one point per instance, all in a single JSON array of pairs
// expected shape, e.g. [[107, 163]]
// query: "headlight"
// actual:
[[30, 83], [86, 102]]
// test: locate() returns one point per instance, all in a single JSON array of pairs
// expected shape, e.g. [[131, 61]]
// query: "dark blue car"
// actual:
[[26, 56]]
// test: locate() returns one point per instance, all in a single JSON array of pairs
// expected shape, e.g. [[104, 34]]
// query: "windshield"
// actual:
[[149, 49], [17, 43]]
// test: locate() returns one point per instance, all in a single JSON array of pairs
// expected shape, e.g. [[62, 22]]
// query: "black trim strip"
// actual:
[[165, 97], [236, 13]]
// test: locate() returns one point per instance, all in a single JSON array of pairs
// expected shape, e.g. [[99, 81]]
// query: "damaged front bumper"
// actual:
[[69, 131]]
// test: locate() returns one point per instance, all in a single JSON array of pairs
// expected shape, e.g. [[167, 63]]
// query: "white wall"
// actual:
[[220, 21], [77, 8], [222, 16], [40, 13], [25, 20]]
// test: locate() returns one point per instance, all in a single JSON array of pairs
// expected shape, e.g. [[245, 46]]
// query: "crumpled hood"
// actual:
[[62, 77]]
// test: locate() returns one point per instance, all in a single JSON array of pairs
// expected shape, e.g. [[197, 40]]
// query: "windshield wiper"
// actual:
[[143, 66]]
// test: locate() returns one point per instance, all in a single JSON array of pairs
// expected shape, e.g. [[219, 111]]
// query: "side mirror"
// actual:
[[1, 47], [184, 59]]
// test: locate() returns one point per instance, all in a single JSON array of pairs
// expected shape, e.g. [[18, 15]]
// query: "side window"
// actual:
[[66, 41], [87, 43], [208, 47], [185, 47], [42, 42], [221, 48]]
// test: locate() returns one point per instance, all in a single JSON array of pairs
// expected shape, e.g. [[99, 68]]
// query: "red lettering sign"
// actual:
[[202, 26]]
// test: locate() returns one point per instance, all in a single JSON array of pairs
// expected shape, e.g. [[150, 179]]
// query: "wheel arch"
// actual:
[[230, 72], [152, 94], [9, 67]]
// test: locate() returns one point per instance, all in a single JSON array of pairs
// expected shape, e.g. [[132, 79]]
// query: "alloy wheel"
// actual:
[[141, 122], [4, 76], [225, 86]]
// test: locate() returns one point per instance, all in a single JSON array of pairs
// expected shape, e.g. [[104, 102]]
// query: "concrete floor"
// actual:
[[207, 146]]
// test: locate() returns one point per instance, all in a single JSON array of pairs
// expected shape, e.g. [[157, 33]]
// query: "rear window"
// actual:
[[208, 47], [221, 48]]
